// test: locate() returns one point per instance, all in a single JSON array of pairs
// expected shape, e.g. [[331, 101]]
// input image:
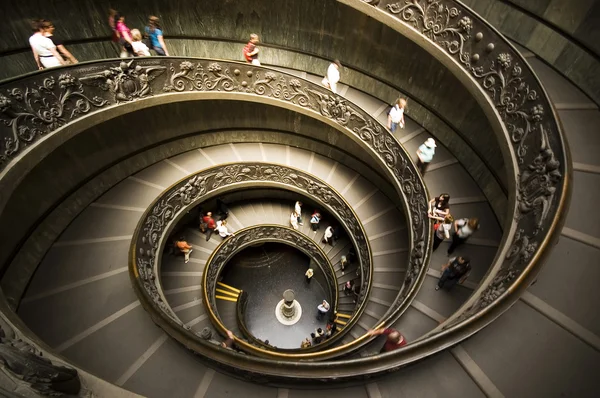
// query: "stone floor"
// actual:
[[265, 281]]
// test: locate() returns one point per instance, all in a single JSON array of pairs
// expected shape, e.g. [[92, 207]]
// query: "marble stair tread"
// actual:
[[432, 377], [193, 161], [189, 311], [414, 324], [161, 173], [453, 180], [221, 153], [184, 375], [106, 223], [66, 265], [275, 153], [129, 193], [177, 299], [445, 302], [301, 158], [577, 125], [555, 286], [126, 338], [182, 280], [102, 299]]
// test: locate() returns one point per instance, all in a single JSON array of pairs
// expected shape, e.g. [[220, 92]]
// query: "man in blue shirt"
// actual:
[[425, 155]]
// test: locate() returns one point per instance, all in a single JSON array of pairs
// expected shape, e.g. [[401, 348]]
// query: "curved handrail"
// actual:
[[68, 94], [538, 150], [500, 77], [162, 215], [249, 236]]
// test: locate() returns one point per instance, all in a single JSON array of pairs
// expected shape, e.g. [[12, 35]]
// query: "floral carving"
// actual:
[[433, 19], [522, 106], [177, 199], [537, 183], [41, 109], [125, 82]]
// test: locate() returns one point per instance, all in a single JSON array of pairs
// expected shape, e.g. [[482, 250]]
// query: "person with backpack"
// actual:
[[314, 221], [456, 270], [251, 50]]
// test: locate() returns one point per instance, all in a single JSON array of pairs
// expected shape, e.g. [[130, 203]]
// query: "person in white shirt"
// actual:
[[44, 50], [396, 115], [463, 229], [298, 210], [333, 76], [294, 220], [328, 237], [222, 229], [139, 48], [323, 309], [442, 232]]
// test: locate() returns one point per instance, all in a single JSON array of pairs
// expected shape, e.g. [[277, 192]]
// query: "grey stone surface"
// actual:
[[354, 392], [69, 264], [586, 191], [444, 302], [171, 372], [580, 128], [226, 387], [544, 342], [414, 324], [568, 282], [107, 222], [439, 376], [78, 309], [127, 338]]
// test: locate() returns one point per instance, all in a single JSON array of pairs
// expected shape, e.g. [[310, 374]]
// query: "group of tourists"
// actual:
[[332, 232], [208, 225], [457, 269]]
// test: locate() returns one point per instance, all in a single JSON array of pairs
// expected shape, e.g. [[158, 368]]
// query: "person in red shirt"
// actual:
[[210, 223], [394, 339]]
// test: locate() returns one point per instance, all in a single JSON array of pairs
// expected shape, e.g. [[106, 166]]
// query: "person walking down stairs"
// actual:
[[184, 248]]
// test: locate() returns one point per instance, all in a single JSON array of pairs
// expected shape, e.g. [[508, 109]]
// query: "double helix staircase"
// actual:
[[80, 301]]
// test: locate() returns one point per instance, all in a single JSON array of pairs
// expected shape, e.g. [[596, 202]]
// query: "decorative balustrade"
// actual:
[[43, 103], [538, 153], [535, 154], [162, 216], [261, 234]]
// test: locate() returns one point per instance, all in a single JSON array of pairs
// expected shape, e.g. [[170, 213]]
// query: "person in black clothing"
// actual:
[[222, 209], [456, 270], [48, 31]]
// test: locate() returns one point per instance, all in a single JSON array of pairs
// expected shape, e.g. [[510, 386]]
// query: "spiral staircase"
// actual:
[[78, 305]]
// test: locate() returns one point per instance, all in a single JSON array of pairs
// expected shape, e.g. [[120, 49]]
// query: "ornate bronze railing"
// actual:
[[55, 100], [162, 215], [261, 234], [519, 110], [537, 151]]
